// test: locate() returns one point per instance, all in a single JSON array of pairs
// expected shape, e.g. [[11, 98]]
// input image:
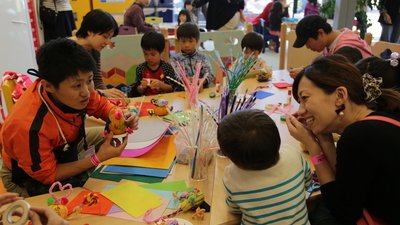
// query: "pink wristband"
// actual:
[[321, 158], [95, 161]]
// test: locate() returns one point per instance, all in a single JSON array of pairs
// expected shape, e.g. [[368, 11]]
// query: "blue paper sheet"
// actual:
[[152, 172], [263, 94]]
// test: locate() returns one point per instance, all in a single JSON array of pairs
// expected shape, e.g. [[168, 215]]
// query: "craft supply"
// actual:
[[284, 117], [289, 97], [269, 106], [212, 94], [217, 86], [58, 204], [7, 215]]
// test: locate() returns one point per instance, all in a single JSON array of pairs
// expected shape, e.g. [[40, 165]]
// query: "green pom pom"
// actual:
[[50, 201], [191, 198]]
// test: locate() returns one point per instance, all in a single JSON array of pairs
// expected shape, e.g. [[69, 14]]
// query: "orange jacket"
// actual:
[[30, 133]]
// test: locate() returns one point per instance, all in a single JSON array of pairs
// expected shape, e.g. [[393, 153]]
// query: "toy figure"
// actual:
[[161, 106], [116, 124], [199, 214]]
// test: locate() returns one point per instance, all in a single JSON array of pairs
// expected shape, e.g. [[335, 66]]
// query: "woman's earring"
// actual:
[[339, 111]]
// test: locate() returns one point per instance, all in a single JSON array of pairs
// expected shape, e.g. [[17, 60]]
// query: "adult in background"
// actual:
[[65, 23], [390, 20], [314, 32], [134, 17], [223, 14], [95, 33], [362, 170]]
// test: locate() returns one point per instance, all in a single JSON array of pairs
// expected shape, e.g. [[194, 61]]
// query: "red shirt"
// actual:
[[264, 15]]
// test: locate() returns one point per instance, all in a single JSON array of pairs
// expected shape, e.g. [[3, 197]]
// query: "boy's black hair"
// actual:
[[250, 139], [153, 40], [187, 14], [62, 58], [98, 22], [352, 54], [276, 8], [252, 41], [188, 30]]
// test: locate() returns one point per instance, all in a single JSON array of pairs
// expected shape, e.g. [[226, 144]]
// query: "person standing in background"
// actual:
[[312, 8], [223, 14], [390, 20], [65, 23], [134, 17]]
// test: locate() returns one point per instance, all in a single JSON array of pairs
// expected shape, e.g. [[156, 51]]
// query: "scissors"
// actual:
[[314, 187]]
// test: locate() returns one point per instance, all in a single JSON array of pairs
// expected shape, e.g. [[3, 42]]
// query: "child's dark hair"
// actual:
[[352, 54], [187, 2], [313, 2], [252, 41], [98, 22], [378, 67], [277, 7], [186, 13], [250, 139], [153, 40], [188, 30], [62, 58]]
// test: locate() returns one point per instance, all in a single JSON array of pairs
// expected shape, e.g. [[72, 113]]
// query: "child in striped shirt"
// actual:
[[265, 183]]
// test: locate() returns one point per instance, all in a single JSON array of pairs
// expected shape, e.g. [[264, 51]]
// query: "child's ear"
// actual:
[[48, 86]]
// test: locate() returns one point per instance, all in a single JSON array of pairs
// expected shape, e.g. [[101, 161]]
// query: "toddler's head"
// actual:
[[184, 16], [352, 54], [188, 36], [250, 139], [153, 44], [253, 42], [188, 5]]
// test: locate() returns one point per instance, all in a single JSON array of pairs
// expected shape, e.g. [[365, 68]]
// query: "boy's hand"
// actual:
[[112, 147], [156, 84], [294, 71], [145, 83], [132, 120]]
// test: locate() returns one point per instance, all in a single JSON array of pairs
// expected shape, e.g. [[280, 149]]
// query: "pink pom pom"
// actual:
[[118, 115]]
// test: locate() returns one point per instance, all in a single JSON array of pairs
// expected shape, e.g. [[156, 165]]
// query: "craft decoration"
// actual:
[[199, 214], [188, 201], [59, 204], [240, 70], [88, 200], [198, 135], [116, 124], [161, 106], [192, 85], [394, 59]]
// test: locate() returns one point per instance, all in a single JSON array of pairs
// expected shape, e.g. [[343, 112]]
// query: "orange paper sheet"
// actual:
[[133, 199], [160, 157], [101, 208]]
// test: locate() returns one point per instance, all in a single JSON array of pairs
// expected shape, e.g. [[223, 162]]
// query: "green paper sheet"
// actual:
[[119, 177], [168, 186]]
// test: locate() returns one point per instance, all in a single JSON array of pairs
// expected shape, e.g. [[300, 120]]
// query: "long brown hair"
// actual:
[[333, 71]]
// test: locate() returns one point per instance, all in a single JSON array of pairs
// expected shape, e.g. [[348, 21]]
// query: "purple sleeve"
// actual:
[[137, 20]]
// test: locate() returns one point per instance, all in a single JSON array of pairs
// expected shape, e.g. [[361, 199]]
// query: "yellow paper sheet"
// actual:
[[159, 157], [132, 198]]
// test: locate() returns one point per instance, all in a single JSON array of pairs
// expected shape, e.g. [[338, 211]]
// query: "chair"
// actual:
[[264, 31], [380, 49], [153, 19], [127, 30]]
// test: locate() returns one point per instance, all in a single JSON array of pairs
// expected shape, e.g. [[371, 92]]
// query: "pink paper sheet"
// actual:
[[131, 153], [156, 213]]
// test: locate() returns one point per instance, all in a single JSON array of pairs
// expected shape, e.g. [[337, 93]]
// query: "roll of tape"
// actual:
[[284, 117], [212, 94], [7, 220], [269, 106]]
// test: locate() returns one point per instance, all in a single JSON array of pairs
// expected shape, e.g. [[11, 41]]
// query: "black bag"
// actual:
[[48, 15]]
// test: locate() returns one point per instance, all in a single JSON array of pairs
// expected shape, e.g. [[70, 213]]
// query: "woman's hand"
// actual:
[[132, 120], [45, 216], [113, 93], [301, 133]]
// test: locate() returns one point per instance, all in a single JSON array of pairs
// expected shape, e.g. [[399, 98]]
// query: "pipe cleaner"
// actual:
[[188, 201]]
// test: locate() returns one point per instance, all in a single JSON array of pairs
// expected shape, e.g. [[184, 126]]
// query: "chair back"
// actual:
[[381, 47], [127, 30], [153, 19]]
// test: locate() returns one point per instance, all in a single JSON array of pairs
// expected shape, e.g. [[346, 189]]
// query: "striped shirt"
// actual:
[[272, 196], [62, 5]]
